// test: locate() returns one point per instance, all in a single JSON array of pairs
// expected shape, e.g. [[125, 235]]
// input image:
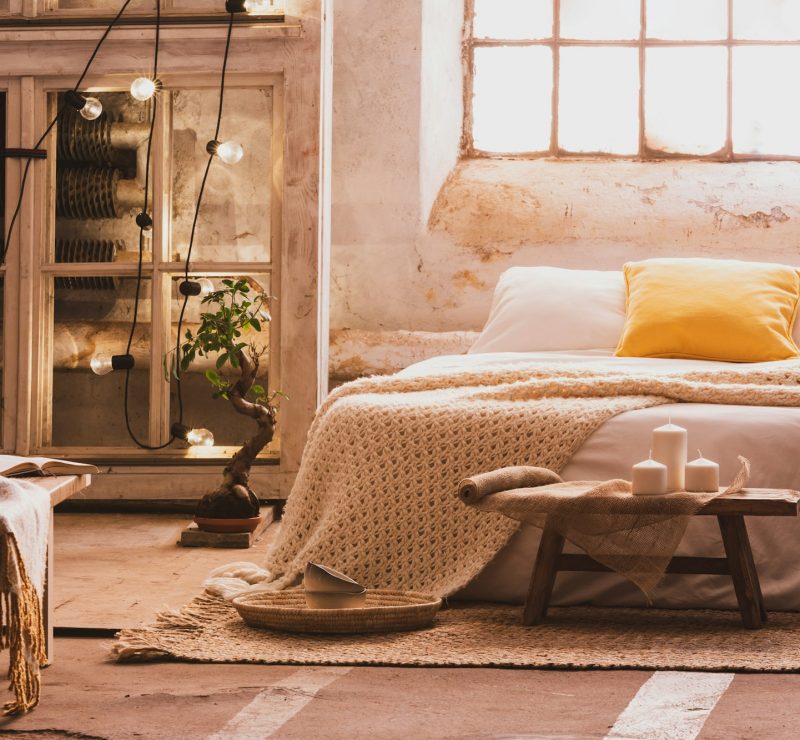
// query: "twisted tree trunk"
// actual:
[[234, 499]]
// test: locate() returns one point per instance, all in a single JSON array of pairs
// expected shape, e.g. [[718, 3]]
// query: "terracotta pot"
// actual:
[[227, 525]]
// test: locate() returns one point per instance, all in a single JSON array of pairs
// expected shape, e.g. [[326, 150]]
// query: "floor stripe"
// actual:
[[274, 707], [671, 705]]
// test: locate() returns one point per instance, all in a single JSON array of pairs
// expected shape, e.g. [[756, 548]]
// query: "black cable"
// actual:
[[4, 247], [142, 227], [197, 214]]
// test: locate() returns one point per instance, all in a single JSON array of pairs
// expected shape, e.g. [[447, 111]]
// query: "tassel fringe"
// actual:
[[21, 614]]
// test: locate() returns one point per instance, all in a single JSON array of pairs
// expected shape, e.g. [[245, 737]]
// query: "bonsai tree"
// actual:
[[231, 314]]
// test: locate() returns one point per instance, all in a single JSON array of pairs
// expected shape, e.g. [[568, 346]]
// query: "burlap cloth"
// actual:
[[636, 536]]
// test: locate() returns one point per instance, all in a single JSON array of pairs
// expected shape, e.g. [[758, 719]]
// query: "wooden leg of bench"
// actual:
[[48, 606], [743, 570], [543, 577]]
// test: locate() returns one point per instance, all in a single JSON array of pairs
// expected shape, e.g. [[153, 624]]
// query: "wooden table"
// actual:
[[730, 510], [61, 488]]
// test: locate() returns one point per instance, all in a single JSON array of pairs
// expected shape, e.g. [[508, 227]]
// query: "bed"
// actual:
[[768, 436]]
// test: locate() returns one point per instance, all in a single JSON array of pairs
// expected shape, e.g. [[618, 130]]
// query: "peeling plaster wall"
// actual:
[[399, 269]]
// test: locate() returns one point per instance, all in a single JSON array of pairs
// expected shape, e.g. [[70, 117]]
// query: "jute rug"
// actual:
[[209, 630]]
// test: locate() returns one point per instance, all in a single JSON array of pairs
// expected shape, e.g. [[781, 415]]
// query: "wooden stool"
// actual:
[[730, 510]]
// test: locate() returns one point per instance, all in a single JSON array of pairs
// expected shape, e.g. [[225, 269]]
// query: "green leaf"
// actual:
[[258, 390], [221, 360], [255, 323], [213, 377]]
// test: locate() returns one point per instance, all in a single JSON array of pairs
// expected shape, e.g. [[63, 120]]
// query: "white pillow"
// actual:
[[540, 309]]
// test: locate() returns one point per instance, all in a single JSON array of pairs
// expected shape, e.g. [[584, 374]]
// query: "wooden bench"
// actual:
[[730, 510], [61, 488]]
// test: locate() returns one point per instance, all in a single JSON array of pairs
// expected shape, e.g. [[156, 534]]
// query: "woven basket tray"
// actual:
[[386, 611]]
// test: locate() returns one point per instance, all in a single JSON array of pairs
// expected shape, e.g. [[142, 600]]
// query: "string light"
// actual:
[[229, 152], [103, 364], [89, 108], [196, 437], [143, 88], [251, 7], [202, 287]]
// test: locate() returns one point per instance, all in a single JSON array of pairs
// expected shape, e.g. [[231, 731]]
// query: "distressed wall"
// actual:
[[419, 239]]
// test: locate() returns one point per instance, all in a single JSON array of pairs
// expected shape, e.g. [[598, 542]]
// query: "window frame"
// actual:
[[555, 42], [27, 390]]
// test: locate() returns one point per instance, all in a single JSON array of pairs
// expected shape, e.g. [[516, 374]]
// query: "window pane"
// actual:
[[108, 6], [2, 239], [766, 112], [599, 87], [766, 19], [685, 99], [92, 315], [613, 20], [687, 19], [200, 409], [100, 181], [234, 222], [512, 99], [513, 19]]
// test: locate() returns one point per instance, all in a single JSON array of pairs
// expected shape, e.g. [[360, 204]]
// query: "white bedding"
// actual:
[[768, 436]]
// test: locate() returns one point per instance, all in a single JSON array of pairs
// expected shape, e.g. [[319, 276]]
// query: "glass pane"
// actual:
[[599, 100], [2, 239], [766, 19], [91, 316], [686, 99], [687, 19], [513, 19], [512, 99], [612, 20], [200, 409], [100, 181], [766, 115], [234, 222]]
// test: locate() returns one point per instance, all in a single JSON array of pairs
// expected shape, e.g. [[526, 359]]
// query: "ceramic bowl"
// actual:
[[335, 600], [321, 578], [227, 525]]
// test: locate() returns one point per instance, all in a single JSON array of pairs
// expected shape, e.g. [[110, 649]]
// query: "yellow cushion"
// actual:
[[710, 310]]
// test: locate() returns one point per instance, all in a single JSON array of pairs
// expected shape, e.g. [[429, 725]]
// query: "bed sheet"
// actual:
[[768, 436]]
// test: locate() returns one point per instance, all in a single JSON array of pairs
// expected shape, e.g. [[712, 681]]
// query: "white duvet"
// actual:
[[768, 436]]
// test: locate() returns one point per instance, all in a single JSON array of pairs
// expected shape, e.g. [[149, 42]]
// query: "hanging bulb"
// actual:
[[92, 109], [230, 152], [195, 437], [89, 108], [143, 88], [258, 7], [201, 287], [200, 438], [103, 364], [265, 315]]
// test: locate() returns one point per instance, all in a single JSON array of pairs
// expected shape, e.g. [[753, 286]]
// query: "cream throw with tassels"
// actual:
[[376, 494], [24, 528]]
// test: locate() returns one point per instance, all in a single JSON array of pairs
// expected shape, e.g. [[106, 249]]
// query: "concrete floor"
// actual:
[[87, 696]]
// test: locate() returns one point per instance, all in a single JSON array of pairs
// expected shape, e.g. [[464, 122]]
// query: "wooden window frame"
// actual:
[[555, 42], [29, 273]]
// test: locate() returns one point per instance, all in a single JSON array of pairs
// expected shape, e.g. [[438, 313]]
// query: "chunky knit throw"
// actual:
[[376, 494]]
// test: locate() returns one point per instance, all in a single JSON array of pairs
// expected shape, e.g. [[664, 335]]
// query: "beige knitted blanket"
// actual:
[[376, 494]]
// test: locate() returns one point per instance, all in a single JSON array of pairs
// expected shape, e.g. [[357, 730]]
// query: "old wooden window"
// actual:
[[632, 78]]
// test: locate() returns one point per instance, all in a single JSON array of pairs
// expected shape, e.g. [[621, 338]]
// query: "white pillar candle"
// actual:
[[702, 476], [649, 478], [669, 448]]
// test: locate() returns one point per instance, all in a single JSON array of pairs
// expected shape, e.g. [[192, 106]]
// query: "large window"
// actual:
[[634, 78]]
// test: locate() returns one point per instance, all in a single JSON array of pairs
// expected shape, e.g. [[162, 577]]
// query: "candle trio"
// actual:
[[667, 469]]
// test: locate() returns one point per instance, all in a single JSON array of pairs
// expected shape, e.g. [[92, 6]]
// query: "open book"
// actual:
[[15, 465]]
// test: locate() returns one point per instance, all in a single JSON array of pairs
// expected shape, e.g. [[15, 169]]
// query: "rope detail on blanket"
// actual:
[[23, 628]]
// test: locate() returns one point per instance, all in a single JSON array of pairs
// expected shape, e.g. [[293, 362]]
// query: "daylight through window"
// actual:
[[634, 78]]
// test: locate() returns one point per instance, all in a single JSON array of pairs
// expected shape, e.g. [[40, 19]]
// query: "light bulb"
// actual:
[[206, 287], [230, 152], [265, 315], [101, 364], [200, 438], [143, 88], [258, 7], [92, 109]]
